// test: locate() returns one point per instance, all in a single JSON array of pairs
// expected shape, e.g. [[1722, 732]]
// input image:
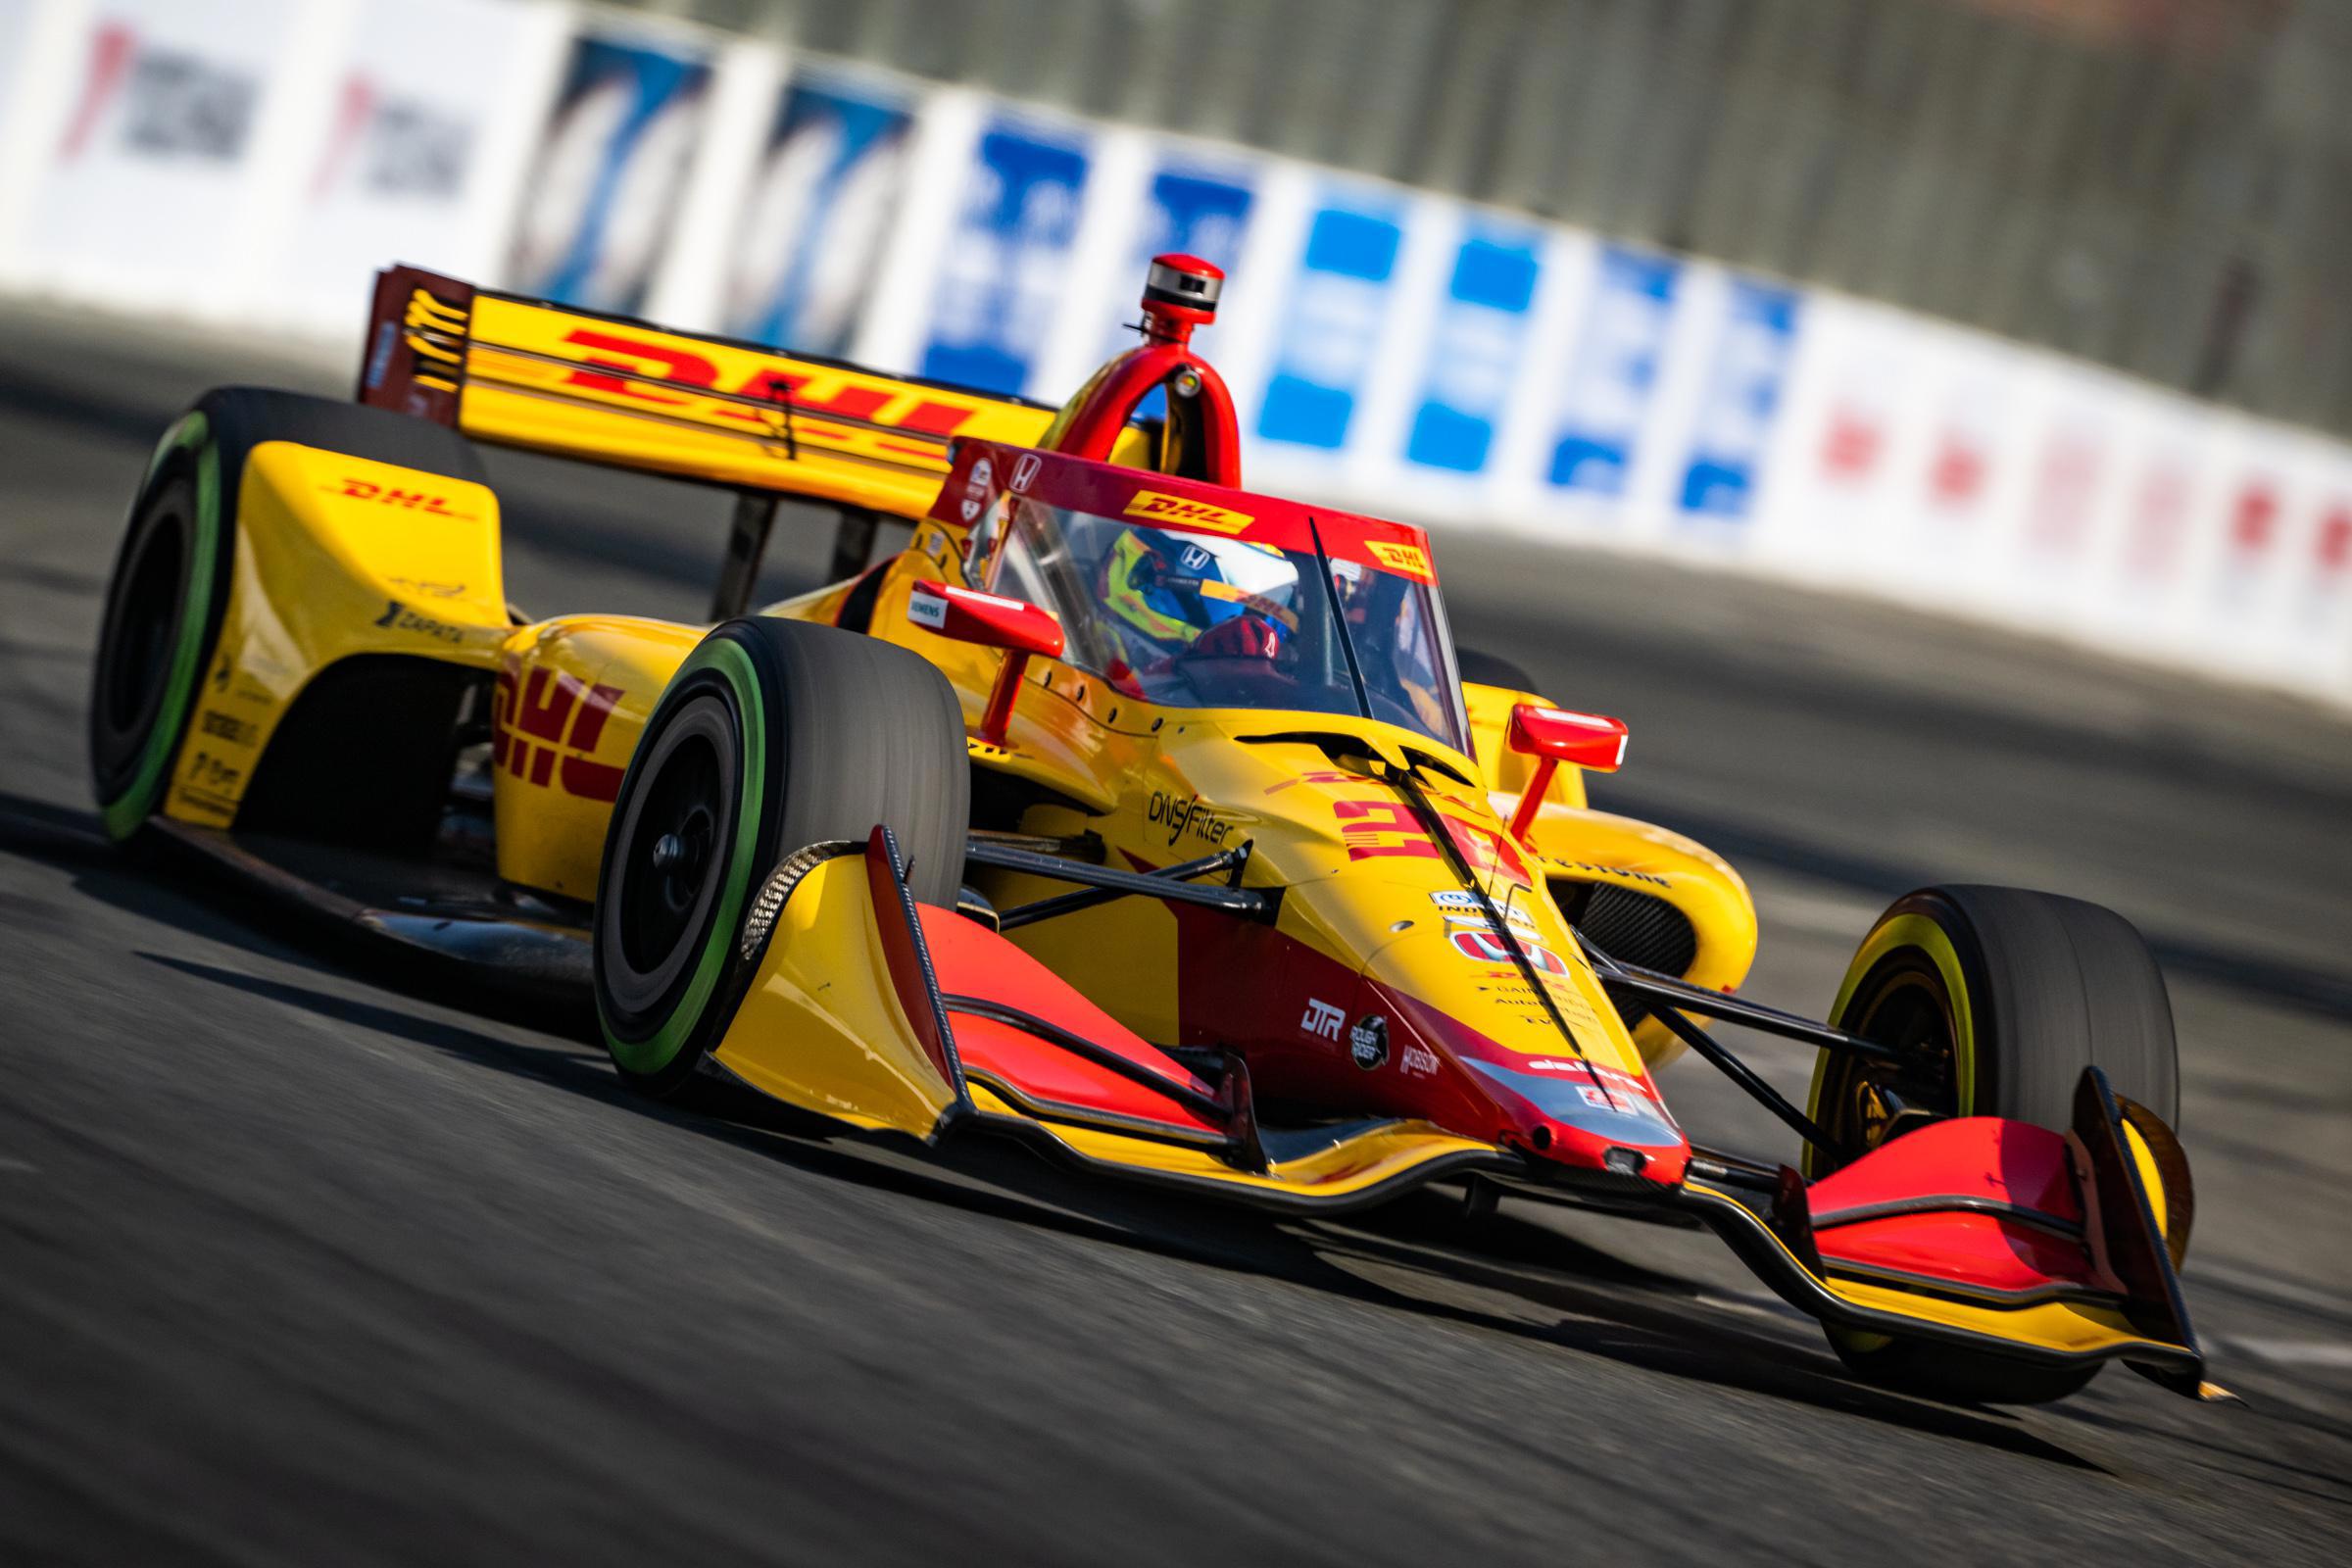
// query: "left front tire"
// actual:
[[772, 736]]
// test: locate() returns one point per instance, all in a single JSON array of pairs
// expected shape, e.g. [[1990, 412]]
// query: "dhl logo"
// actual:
[[1410, 559], [390, 495], [804, 400], [1374, 829], [1159, 505], [527, 723]]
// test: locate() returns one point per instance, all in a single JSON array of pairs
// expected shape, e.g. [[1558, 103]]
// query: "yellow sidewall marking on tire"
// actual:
[[1908, 931]]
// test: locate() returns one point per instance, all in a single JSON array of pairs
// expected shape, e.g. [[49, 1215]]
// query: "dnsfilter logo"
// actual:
[[152, 100]]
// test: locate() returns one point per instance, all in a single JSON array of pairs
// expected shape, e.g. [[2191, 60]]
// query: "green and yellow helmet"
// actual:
[[1171, 586]]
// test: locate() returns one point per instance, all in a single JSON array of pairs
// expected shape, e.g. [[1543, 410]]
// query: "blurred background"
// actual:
[[1899, 412], [2023, 309]]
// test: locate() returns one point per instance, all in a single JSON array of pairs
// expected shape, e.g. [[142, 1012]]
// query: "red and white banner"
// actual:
[[432, 109], [153, 176], [254, 161]]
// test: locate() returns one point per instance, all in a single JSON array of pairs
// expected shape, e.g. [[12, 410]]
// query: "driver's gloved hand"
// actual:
[[1248, 636]]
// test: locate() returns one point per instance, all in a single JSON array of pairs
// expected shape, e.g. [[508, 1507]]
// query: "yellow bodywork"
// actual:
[[336, 556], [572, 695], [822, 1026]]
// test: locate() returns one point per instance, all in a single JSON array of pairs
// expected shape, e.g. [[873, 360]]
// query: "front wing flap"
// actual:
[[1991, 1235]]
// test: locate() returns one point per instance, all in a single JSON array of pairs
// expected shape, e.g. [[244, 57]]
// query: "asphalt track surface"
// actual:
[[302, 1262]]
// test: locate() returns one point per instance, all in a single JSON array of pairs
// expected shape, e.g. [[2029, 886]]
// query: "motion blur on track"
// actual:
[[308, 1254]]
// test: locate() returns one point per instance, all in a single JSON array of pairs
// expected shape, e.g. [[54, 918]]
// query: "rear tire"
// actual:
[[2002, 997], [773, 735]]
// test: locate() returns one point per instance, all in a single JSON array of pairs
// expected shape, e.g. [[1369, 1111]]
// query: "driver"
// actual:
[[1175, 594]]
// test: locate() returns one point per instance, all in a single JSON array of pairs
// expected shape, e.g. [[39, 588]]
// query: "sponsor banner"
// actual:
[[1005, 265], [2074, 492], [1332, 321], [422, 152], [809, 242], [15, 54], [1613, 368], [602, 192], [1738, 399], [148, 192], [2319, 597], [1475, 349], [1842, 467], [2269, 602], [1957, 470], [1191, 207]]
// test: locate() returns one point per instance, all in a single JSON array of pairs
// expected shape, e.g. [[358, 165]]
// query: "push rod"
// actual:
[[1109, 882]]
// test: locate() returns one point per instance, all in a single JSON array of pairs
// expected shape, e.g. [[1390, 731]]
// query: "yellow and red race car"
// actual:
[[1124, 810]]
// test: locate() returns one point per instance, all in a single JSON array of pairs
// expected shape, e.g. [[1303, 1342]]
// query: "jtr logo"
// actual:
[[394, 496], [549, 702], [1322, 1019], [812, 391]]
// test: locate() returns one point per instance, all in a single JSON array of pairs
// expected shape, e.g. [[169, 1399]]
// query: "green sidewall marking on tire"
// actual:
[[732, 665], [121, 815]]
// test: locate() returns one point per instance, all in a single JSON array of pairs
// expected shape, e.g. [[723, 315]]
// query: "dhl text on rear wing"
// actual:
[[529, 373]]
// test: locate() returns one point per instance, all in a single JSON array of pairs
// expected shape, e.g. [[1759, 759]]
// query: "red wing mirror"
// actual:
[[1553, 736], [989, 620]]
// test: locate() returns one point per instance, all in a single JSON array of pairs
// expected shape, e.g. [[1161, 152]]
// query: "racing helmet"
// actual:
[[1171, 586]]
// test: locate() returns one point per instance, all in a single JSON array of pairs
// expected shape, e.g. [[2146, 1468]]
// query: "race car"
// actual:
[[1123, 811]]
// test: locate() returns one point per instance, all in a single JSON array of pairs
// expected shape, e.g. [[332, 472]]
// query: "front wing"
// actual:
[[902, 1018]]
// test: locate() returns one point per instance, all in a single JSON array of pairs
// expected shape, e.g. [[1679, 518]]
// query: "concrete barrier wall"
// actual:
[[252, 162]]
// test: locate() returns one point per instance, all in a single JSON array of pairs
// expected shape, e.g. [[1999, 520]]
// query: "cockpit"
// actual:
[[1191, 604]]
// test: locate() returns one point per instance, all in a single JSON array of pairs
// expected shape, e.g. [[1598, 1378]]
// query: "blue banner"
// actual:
[[1744, 390], [1001, 280], [1474, 354], [809, 238], [1192, 211], [1615, 370], [597, 214], [1332, 326]]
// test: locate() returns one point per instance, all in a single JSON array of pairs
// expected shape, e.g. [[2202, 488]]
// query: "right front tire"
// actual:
[[1998, 998], [773, 735]]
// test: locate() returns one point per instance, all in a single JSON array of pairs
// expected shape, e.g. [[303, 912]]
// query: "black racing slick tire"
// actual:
[[169, 591], [1999, 998], [773, 735]]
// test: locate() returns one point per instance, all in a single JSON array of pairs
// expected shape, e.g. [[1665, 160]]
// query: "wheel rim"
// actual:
[[670, 857], [142, 626], [1901, 1005]]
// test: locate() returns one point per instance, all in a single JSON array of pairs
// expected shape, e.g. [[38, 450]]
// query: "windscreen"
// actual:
[[1200, 619]]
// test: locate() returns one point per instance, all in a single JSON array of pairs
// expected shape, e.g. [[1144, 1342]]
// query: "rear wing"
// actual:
[[529, 374]]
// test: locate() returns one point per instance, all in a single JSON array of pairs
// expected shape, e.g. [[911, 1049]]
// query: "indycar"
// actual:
[[1123, 811]]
